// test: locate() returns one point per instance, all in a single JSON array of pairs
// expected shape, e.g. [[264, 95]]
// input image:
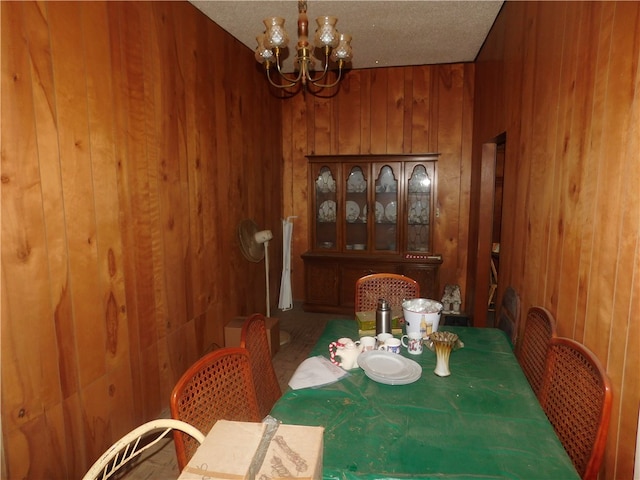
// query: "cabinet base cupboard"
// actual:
[[330, 279], [369, 214]]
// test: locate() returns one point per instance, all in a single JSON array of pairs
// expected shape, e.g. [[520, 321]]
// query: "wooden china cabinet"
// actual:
[[369, 214]]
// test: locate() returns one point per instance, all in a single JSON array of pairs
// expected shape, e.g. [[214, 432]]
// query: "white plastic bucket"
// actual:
[[421, 315]]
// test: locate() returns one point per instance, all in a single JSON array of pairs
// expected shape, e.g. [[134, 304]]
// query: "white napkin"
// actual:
[[315, 372]]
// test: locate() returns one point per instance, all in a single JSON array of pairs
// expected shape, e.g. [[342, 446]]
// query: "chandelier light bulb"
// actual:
[[276, 35], [326, 34], [263, 54], [343, 51]]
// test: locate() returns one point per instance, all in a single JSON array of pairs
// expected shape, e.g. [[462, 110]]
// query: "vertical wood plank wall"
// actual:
[[562, 79], [130, 152], [417, 109]]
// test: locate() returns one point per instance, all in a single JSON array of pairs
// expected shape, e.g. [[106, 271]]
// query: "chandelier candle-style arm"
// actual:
[[335, 47]]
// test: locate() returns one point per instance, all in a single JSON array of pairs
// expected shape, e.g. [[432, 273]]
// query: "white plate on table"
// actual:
[[389, 368]]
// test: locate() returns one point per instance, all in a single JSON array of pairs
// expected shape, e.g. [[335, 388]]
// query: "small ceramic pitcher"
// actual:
[[347, 351]]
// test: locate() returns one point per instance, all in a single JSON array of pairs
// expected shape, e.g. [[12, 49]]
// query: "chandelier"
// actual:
[[335, 48]]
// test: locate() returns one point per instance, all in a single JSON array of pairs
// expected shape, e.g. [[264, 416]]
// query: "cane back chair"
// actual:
[[254, 338], [576, 395], [135, 443], [531, 350], [218, 386], [394, 288]]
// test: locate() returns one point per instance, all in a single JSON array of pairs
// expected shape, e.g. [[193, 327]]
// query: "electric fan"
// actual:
[[251, 242]]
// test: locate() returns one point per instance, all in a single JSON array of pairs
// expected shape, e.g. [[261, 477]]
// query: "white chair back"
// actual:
[[131, 445]]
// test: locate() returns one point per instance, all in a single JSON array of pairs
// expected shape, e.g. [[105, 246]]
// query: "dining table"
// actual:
[[483, 421]]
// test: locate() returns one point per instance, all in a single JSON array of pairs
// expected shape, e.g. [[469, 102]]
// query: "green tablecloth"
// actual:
[[483, 421]]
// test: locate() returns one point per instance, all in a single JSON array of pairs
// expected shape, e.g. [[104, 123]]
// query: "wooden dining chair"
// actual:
[[531, 350], [218, 386], [394, 288], [509, 314], [136, 442], [254, 338], [576, 395]]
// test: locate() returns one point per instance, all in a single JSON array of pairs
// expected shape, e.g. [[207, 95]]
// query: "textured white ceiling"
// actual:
[[385, 33]]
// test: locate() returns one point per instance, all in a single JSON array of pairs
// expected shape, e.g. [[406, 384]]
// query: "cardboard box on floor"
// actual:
[[233, 329], [292, 451]]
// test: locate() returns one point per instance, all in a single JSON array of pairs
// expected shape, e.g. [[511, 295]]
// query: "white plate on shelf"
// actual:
[[352, 211], [327, 211], [356, 182], [325, 182], [387, 182], [390, 212], [379, 212], [389, 368]]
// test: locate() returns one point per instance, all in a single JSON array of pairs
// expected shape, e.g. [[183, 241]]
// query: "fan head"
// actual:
[[251, 247]]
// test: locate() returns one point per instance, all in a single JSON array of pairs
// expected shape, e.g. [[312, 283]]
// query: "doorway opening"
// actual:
[[489, 228]]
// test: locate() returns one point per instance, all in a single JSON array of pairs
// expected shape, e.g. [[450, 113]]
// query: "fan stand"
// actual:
[[285, 337]]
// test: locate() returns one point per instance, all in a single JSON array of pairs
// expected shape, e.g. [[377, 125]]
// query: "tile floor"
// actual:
[[304, 329]]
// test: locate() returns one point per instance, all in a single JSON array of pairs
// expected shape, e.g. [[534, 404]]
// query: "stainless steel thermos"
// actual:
[[383, 317]]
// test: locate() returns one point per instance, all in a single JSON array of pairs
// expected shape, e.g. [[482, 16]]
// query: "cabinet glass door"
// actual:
[[385, 231], [419, 209], [355, 208], [326, 209]]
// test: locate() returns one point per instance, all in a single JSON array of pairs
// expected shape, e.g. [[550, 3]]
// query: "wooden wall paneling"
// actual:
[[113, 96], [569, 170], [421, 110], [365, 110], [395, 110], [77, 187], [562, 203], [59, 377], [616, 233], [348, 111], [450, 83], [548, 61], [322, 125], [590, 259], [129, 264], [118, 388], [465, 179], [589, 309], [379, 105], [142, 205], [591, 122], [527, 107], [623, 362], [505, 116], [168, 161], [198, 95], [101, 124], [407, 105], [136, 162], [96, 429], [301, 139], [24, 255]]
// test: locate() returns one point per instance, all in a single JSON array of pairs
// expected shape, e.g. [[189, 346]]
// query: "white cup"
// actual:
[[391, 345], [383, 337], [413, 342], [367, 343]]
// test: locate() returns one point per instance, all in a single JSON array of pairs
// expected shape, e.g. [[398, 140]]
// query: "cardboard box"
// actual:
[[233, 329], [245, 450]]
